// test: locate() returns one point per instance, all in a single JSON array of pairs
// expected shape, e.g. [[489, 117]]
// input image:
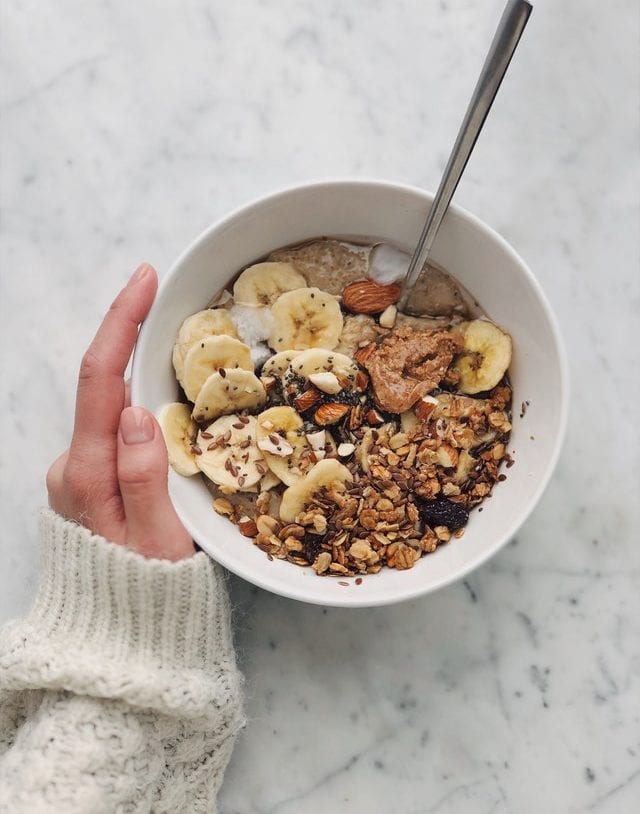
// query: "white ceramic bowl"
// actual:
[[480, 259]]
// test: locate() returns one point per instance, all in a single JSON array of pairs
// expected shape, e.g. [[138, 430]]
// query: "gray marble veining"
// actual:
[[127, 128]]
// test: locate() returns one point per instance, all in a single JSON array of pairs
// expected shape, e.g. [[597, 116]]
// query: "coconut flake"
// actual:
[[253, 323], [326, 381], [387, 264], [260, 353]]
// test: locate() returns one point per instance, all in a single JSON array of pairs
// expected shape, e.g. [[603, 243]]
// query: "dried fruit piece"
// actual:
[[443, 512], [369, 297]]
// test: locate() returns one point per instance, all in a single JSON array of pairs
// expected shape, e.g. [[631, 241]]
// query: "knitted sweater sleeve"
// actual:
[[119, 691]]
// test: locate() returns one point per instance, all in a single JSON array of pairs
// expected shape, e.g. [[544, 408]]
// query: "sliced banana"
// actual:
[[211, 354], [357, 329], [305, 318], [324, 473], [228, 391], [286, 449], [486, 356], [179, 431], [277, 364], [315, 363], [210, 322], [230, 456], [263, 283], [269, 481]]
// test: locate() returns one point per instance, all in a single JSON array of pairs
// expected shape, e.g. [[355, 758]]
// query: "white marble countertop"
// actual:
[[127, 128]]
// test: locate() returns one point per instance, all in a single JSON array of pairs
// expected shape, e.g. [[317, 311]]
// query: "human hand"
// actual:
[[113, 477]]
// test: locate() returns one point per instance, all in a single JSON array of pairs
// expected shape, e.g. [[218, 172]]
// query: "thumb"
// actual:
[[152, 526]]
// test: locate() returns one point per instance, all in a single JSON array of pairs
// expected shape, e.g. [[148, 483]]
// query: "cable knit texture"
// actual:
[[119, 691]]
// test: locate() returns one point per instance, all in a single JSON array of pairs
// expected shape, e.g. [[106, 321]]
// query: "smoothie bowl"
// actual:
[[326, 446]]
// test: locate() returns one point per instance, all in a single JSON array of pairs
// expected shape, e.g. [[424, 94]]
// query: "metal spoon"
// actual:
[[505, 41]]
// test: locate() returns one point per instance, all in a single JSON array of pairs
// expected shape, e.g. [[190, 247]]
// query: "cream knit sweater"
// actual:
[[119, 691]]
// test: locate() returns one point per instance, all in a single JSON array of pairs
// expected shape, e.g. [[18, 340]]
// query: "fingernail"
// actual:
[[140, 273], [136, 426]]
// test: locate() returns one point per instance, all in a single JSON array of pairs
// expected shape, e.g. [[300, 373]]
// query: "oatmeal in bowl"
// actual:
[[320, 439], [336, 432]]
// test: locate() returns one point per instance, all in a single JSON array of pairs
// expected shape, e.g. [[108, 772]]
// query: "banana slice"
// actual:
[[277, 364], [288, 452], [296, 497], [305, 318], [269, 481], [230, 456], [179, 431], [263, 283], [358, 328], [210, 322], [486, 356], [228, 391], [324, 367], [209, 355]]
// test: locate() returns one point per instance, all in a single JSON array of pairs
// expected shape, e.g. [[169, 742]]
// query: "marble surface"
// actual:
[[127, 128]]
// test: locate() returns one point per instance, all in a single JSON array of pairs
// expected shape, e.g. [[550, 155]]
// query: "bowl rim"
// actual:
[[353, 599]]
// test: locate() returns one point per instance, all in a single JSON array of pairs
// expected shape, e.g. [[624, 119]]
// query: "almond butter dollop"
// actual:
[[408, 364]]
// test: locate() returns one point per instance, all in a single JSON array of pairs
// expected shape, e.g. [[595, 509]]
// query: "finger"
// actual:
[[100, 396], [127, 393], [152, 526], [54, 481]]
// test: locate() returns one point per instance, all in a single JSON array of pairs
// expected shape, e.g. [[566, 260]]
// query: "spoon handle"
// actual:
[[505, 41]]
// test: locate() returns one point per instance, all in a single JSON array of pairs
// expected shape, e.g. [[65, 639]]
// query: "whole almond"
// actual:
[[330, 413], [306, 400], [369, 297], [247, 527]]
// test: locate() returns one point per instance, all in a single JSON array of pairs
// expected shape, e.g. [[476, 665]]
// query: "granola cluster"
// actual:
[[412, 490]]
